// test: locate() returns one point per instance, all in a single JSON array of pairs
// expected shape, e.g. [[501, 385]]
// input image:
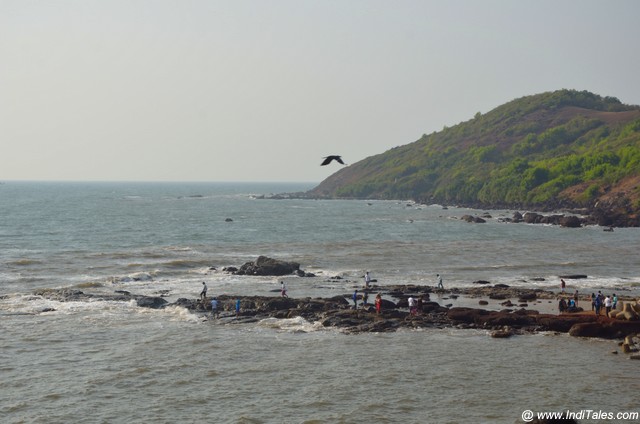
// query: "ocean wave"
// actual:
[[89, 285], [135, 277], [27, 304], [293, 325]]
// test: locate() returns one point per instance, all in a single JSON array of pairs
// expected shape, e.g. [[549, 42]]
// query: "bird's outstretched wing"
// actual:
[[327, 160]]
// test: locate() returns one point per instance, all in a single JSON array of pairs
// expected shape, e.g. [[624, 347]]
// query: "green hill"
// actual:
[[564, 148]]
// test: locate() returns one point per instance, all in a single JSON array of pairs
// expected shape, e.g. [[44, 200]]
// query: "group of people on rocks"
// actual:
[[365, 300], [568, 304], [600, 302], [414, 305], [215, 303]]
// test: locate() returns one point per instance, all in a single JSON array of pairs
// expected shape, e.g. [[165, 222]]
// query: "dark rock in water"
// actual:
[[186, 303], [605, 330], [151, 302], [268, 266], [481, 282], [231, 269], [465, 315], [562, 323], [472, 219], [279, 303], [387, 304], [428, 307], [573, 276], [570, 222], [228, 220], [483, 302], [527, 296], [501, 286], [532, 218], [502, 334], [123, 292]]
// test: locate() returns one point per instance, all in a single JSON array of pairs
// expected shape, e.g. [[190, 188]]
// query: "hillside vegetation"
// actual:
[[564, 148]]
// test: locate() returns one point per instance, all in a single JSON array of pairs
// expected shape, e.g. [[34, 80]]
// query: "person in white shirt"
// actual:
[[412, 305], [607, 304]]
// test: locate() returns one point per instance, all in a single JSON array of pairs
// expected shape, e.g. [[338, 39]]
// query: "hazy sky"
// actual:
[[261, 90]]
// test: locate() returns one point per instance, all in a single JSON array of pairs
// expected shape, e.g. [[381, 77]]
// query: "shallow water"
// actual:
[[150, 367]]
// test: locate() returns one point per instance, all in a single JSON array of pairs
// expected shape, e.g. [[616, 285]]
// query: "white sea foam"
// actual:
[[293, 325]]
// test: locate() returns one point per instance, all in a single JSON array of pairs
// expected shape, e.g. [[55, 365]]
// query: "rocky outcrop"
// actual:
[[338, 312], [72, 295], [570, 221], [268, 266], [151, 302], [473, 219], [605, 328]]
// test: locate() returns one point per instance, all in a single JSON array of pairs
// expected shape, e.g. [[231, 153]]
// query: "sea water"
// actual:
[[113, 362]]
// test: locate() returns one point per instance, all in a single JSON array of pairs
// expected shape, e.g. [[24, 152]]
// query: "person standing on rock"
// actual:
[[237, 308], [355, 299], [575, 297], [598, 304], [378, 303], [412, 305], [283, 289], [214, 308], [563, 285], [367, 280], [607, 305], [440, 286], [203, 293]]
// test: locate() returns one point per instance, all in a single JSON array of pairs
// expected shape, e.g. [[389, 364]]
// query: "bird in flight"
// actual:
[[327, 160]]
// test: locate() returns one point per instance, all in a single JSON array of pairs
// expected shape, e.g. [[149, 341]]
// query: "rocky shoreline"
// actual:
[[615, 212], [338, 312]]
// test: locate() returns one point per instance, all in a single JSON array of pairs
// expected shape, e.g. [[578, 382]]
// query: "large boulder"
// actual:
[[605, 330], [570, 221], [473, 219], [268, 266], [562, 323], [465, 315], [151, 302], [532, 218]]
